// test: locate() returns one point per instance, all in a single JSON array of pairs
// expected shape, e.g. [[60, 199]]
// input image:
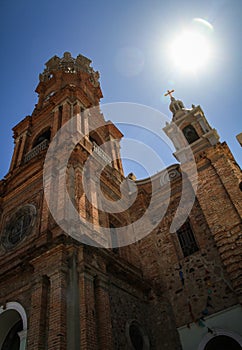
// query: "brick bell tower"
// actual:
[[55, 292], [219, 178], [196, 131], [38, 266]]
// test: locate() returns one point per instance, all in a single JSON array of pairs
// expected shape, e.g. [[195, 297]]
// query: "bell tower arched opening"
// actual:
[[190, 134], [45, 135]]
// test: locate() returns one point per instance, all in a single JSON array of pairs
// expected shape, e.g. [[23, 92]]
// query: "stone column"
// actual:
[[23, 337], [85, 124], [201, 121], [115, 153]]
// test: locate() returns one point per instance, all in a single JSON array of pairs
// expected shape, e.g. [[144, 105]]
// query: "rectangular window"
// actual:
[[186, 239]]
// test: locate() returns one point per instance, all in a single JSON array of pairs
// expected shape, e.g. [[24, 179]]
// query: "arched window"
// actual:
[[40, 143], [186, 239], [137, 336], [190, 134], [42, 137], [95, 137]]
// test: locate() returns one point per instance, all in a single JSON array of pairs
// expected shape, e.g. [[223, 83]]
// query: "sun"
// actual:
[[190, 51]]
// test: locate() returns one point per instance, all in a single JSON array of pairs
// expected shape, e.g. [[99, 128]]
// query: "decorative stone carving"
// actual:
[[169, 175], [18, 226], [70, 65]]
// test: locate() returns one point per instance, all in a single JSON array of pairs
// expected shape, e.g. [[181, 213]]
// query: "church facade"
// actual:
[[71, 283]]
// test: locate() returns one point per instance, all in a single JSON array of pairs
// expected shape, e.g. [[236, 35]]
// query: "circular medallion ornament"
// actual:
[[18, 226]]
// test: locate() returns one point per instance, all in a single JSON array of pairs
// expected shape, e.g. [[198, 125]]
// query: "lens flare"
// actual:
[[203, 23], [190, 51]]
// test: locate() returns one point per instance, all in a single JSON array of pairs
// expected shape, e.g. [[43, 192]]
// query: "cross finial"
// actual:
[[169, 93]]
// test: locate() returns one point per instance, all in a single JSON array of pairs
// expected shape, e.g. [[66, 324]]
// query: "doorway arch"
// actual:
[[13, 327], [221, 339], [222, 342]]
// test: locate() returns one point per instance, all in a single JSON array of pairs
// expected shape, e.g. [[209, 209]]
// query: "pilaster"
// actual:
[[21, 148], [104, 322], [16, 152], [87, 311], [38, 321], [57, 337]]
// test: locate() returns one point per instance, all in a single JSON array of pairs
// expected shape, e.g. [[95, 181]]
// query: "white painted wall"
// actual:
[[229, 320]]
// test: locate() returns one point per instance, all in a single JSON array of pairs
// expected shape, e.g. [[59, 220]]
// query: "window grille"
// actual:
[[186, 239]]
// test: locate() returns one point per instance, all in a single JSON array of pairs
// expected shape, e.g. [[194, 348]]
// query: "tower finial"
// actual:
[[169, 93]]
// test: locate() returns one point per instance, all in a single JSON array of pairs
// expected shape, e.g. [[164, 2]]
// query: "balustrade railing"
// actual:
[[36, 150], [101, 154]]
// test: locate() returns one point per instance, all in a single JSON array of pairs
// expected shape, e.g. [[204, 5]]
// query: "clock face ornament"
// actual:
[[18, 226]]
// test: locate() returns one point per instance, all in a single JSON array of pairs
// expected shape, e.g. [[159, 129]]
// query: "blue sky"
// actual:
[[107, 32]]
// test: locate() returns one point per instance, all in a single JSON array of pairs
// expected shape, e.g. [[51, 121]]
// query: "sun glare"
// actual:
[[190, 51]]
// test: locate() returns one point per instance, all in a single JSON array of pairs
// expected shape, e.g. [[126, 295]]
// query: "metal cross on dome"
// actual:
[[169, 93]]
